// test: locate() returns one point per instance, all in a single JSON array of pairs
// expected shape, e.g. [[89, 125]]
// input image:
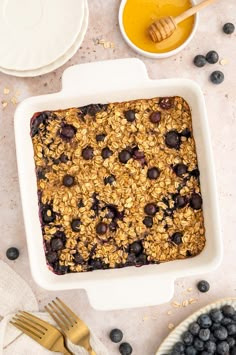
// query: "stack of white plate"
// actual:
[[38, 36]]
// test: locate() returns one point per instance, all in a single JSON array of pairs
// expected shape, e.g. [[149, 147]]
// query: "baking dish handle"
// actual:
[[131, 293], [104, 75]]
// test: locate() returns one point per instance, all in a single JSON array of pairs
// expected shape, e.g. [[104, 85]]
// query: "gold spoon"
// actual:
[[166, 26]]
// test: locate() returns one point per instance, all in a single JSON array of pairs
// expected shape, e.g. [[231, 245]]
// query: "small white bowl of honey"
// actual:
[[135, 16]]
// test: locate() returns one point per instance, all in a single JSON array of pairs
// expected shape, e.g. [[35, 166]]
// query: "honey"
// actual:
[[139, 14]]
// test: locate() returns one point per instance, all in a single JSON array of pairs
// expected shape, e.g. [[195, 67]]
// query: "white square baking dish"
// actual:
[[103, 82]]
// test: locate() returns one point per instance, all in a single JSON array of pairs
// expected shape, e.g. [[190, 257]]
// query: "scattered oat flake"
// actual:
[[176, 304], [145, 318], [185, 303], [171, 326], [223, 61], [14, 100], [192, 300], [4, 104], [190, 289], [169, 313], [6, 91]]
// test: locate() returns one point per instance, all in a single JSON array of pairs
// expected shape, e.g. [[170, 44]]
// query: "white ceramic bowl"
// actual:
[[175, 335], [117, 80], [150, 54]]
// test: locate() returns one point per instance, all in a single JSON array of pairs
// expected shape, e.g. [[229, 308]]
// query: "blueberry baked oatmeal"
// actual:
[[118, 184]]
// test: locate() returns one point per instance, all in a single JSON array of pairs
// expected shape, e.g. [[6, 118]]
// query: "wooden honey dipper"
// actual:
[[165, 26]]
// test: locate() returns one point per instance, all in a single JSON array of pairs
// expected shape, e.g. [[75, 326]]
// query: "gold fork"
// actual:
[[70, 324], [42, 332]]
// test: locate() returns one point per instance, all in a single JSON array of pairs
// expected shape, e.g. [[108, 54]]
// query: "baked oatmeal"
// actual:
[[118, 184]]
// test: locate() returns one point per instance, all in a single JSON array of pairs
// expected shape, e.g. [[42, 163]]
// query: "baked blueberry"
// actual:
[[56, 244], [217, 77], [78, 259], [228, 311], [92, 109], [216, 315], [138, 154], [109, 179], [100, 137], [199, 61], [60, 269], [153, 173], [187, 338], [75, 224], [204, 321], [125, 156], [116, 335], [198, 344], [64, 158], [141, 259], [177, 238], [180, 201], [113, 226], [95, 264], [166, 103], [48, 215], [68, 180], [125, 349], [36, 122], [151, 209], [204, 286], [12, 253], [229, 28], [87, 153], [195, 173], [51, 257], [148, 221], [68, 131], [172, 139], [190, 350], [180, 169], [130, 115], [106, 153], [101, 228], [196, 201], [221, 333], [136, 248], [210, 347], [204, 334], [222, 348], [212, 57], [155, 117], [186, 133]]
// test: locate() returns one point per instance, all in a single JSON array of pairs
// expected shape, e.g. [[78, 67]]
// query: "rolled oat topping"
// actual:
[[115, 188]]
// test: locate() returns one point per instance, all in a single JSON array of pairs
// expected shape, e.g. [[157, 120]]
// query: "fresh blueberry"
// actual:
[[51, 257], [231, 329], [228, 311], [56, 244], [177, 238], [203, 286], [125, 349], [215, 326], [179, 346], [222, 348], [151, 209], [212, 57], [216, 315], [187, 338], [148, 221], [204, 334], [106, 153], [101, 228], [217, 77], [130, 115], [136, 248], [68, 180], [180, 169], [153, 173], [172, 139], [125, 156], [75, 224], [199, 61], [204, 321], [190, 350], [231, 341], [196, 201], [233, 351], [194, 328], [226, 321], [116, 335], [68, 131], [229, 28], [87, 153], [155, 117], [166, 103], [210, 347], [100, 137], [221, 333], [198, 344], [12, 253]]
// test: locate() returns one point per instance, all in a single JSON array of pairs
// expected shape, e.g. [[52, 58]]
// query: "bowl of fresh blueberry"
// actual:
[[211, 330]]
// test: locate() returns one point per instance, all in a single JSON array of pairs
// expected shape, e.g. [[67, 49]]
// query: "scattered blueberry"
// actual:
[[204, 321], [166, 103], [222, 348], [217, 77], [116, 335], [87, 153], [51, 257], [172, 139], [194, 328], [153, 173], [125, 156], [109, 179], [228, 311], [68, 131], [148, 221], [106, 153], [187, 338], [221, 333], [101, 228], [216, 315], [196, 201], [229, 28], [177, 238], [136, 248], [75, 224], [151, 209], [130, 115], [204, 334], [12, 253], [180, 169], [199, 61], [155, 117], [100, 137], [203, 286], [125, 349], [212, 57], [68, 180]]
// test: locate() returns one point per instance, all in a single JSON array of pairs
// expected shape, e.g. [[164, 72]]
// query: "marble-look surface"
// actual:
[[144, 328]]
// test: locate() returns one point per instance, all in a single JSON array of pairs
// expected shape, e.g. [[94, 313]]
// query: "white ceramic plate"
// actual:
[[175, 335], [35, 33], [60, 61], [117, 80]]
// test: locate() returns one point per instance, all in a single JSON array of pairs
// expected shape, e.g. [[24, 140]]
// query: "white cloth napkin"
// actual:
[[15, 295]]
